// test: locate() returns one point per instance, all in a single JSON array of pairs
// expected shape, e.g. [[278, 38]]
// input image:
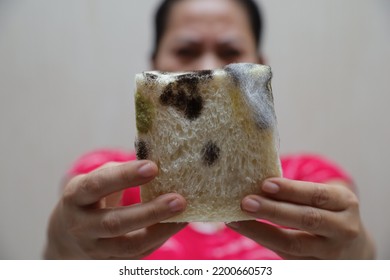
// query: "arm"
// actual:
[[86, 224]]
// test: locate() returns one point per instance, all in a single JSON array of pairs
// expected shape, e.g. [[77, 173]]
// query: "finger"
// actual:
[[126, 257], [330, 197], [292, 257], [113, 200], [140, 243], [106, 222], [286, 242], [313, 220], [90, 188]]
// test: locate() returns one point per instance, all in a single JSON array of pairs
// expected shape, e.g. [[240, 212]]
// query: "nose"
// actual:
[[208, 61]]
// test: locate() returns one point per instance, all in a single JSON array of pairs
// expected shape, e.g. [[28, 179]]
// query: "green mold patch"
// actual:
[[144, 113]]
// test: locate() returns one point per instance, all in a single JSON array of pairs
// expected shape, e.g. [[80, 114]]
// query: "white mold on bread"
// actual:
[[213, 135]]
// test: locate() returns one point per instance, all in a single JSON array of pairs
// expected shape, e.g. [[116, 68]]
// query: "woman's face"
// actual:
[[204, 34]]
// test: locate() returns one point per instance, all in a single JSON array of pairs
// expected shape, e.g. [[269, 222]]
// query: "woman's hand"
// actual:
[[87, 225], [320, 221]]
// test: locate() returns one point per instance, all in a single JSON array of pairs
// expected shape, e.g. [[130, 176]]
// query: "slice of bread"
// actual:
[[212, 134]]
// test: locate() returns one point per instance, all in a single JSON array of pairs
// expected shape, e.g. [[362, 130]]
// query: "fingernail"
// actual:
[[270, 187], [176, 205], [251, 205], [147, 170]]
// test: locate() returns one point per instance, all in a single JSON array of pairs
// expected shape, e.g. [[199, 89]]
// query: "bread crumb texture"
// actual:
[[213, 135]]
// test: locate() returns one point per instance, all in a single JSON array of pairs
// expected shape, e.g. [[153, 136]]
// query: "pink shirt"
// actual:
[[192, 244]]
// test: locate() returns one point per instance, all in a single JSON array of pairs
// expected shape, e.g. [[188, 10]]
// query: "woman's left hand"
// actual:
[[319, 221]]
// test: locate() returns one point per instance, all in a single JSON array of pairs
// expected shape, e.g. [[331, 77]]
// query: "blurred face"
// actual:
[[205, 34]]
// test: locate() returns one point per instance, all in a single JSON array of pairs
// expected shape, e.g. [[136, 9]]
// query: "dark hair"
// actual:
[[162, 14]]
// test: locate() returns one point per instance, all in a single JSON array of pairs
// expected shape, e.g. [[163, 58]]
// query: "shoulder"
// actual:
[[94, 159], [313, 168]]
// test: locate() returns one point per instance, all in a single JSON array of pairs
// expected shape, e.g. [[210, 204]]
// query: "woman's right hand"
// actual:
[[86, 224]]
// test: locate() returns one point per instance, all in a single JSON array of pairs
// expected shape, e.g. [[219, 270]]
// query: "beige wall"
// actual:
[[66, 82]]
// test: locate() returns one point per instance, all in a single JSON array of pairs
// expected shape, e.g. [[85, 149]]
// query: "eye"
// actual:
[[230, 53], [186, 52]]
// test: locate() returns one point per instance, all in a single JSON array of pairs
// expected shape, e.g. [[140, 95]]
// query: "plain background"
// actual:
[[67, 79]]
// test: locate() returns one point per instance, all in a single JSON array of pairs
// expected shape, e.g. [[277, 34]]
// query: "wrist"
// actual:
[[370, 252], [59, 244]]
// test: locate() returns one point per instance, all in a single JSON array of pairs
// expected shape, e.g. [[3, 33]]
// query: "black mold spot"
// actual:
[[166, 98], [206, 74], [210, 153], [183, 94], [150, 76], [188, 79], [142, 149], [194, 107]]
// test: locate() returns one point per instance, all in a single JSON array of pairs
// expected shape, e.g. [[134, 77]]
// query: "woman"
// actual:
[[320, 204]]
